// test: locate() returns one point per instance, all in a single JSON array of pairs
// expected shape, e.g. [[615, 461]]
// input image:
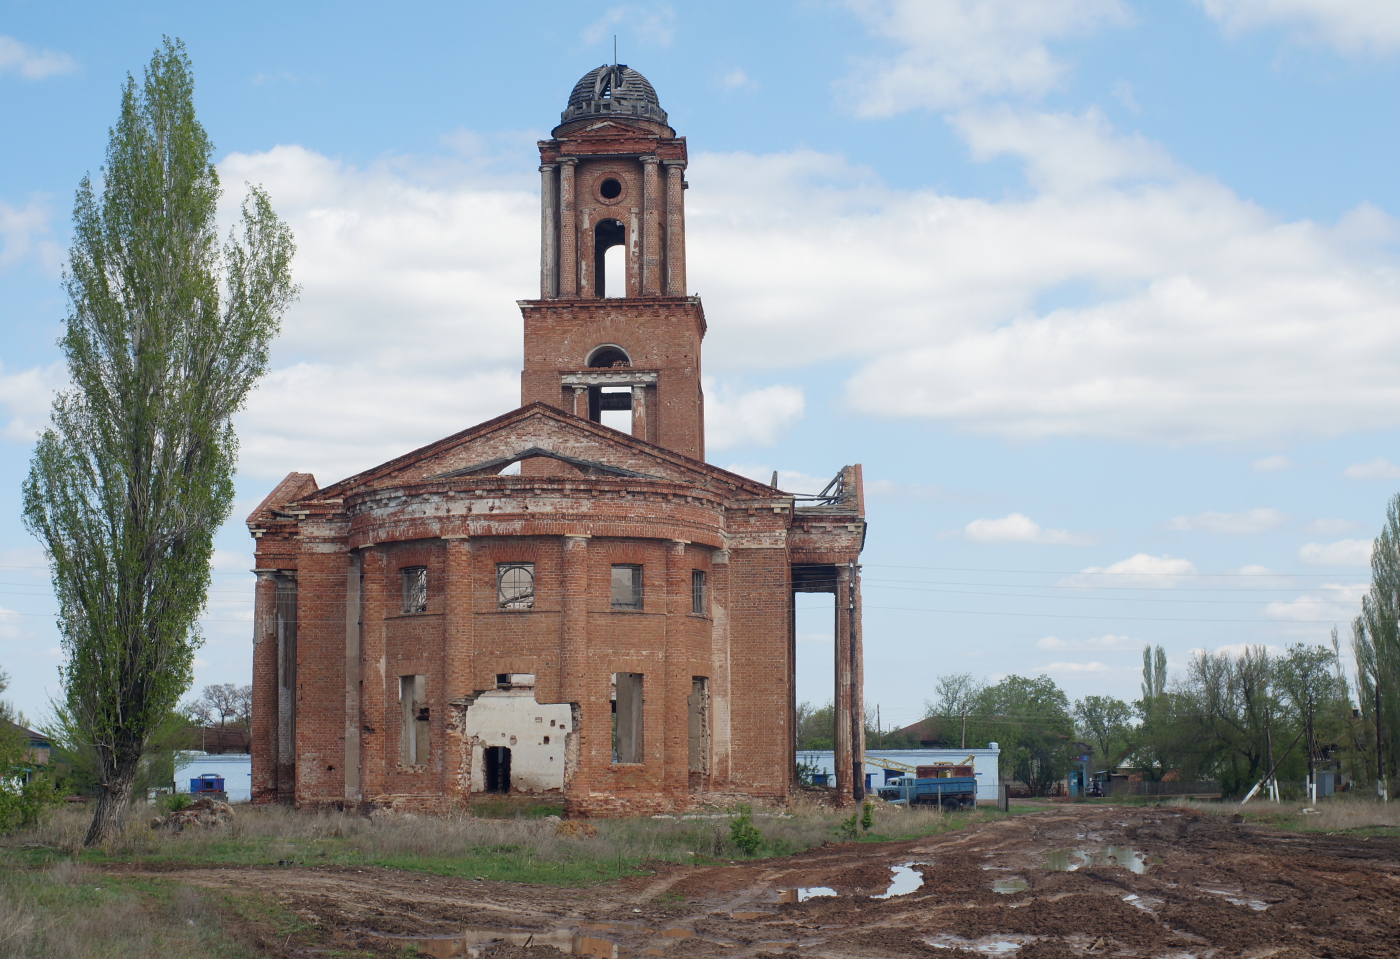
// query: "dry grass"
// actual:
[[1336, 814], [521, 849], [67, 911]]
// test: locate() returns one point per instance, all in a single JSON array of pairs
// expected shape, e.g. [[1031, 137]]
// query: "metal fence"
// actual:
[[1200, 789]]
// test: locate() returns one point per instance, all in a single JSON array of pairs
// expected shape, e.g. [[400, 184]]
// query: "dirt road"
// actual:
[[1069, 881]]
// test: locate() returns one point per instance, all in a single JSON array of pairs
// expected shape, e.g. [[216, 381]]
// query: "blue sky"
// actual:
[[1103, 294]]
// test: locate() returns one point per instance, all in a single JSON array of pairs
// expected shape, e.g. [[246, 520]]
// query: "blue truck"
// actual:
[[950, 792]]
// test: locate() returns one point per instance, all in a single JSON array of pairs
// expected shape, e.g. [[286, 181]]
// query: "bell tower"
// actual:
[[613, 328]]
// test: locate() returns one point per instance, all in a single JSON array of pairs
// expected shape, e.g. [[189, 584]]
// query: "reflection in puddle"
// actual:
[[1007, 886], [1067, 860], [1237, 897], [1131, 859], [803, 893], [905, 881], [474, 940], [987, 947]]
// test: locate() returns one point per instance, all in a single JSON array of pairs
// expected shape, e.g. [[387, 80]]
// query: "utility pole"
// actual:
[[964, 724], [1269, 751], [1312, 779]]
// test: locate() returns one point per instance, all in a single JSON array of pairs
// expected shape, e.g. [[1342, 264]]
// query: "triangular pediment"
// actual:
[[578, 446]]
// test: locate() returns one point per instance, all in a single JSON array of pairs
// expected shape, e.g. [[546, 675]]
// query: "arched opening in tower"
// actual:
[[610, 257]]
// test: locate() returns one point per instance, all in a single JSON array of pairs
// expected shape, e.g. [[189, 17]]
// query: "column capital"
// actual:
[[569, 161], [547, 167], [674, 163], [579, 536], [649, 160]]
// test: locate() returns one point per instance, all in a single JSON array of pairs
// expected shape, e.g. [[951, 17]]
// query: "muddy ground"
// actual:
[[1086, 880]]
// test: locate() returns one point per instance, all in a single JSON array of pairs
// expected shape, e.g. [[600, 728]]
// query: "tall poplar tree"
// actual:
[[166, 334], [1376, 644]]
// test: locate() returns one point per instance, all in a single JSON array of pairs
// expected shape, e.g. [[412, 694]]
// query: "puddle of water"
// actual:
[[1008, 886], [1067, 860], [1131, 859], [803, 893], [986, 947], [905, 881], [1237, 897]]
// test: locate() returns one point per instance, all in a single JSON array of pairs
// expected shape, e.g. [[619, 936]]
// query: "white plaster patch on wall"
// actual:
[[536, 735]]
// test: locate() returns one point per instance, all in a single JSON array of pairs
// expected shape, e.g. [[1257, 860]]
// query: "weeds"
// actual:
[[1338, 814]]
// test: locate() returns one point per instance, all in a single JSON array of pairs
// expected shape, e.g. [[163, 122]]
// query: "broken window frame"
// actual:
[[699, 593], [415, 739], [628, 730], [625, 595], [415, 589], [517, 600]]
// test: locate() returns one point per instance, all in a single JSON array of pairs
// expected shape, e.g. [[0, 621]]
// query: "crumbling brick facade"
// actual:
[[614, 622]]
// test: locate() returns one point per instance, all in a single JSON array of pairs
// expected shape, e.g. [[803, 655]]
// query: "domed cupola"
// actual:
[[613, 90]]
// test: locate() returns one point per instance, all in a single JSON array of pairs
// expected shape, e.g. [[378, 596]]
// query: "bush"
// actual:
[[26, 790], [743, 833]]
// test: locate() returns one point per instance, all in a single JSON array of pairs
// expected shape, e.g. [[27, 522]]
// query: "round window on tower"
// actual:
[[610, 189]]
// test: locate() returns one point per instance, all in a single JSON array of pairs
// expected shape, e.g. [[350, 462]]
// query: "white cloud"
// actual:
[[1330, 603], [1344, 552], [1122, 91], [1331, 527], [1378, 468], [1108, 641], [1351, 26], [1249, 523], [1140, 569], [1093, 667], [737, 79], [407, 328], [1205, 318], [27, 396], [654, 24], [1018, 528], [1271, 464], [734, 417], [33, 64], [956, 51], [27, 233]]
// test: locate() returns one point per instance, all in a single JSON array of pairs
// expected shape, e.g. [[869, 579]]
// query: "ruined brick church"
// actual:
[[542, 604]]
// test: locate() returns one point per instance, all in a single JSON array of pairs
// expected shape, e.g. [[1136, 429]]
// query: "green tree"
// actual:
[[816, 726], [166, 334], [1376, 644], [1030, 720], [955, 697], [1107, 725]]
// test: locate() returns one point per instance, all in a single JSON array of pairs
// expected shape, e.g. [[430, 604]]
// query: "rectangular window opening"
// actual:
[[515, 585], [626, 587], [415, 589], [627, 718], [697, 592], [413, 706]]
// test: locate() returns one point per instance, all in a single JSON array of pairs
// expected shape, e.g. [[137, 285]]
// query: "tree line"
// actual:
[[1232, 717]]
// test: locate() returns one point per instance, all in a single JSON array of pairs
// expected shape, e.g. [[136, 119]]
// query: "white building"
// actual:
[[984, 764], [235, 769]]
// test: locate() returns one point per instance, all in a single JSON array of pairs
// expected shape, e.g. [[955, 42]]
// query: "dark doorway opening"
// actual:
[[497, 769]]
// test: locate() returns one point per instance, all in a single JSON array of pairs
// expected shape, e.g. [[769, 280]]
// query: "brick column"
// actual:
[[580, 402], [458, 665], [573, 637], [719, 678], [353, 677], [841, 753], [853, 618], [675, 727], [639, 411], [651, 228], [675, 228], [263, 734], [568, 230], [549, 238], [379, 735]]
